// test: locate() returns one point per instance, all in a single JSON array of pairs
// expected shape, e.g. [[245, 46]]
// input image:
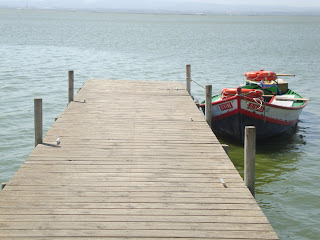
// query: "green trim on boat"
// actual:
[[290, 92]]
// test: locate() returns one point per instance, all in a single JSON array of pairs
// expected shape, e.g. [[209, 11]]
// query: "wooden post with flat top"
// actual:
[[71, 86], [208, 104], [188, 78], [37, 121], [249, 158]]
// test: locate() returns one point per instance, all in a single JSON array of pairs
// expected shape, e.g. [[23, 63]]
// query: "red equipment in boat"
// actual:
[[252, 93], [261, 75]]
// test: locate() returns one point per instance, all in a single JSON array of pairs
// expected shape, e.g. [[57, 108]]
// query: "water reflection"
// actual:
[[275, 157]]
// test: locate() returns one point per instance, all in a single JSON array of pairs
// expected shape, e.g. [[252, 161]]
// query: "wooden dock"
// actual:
[[136, 161]]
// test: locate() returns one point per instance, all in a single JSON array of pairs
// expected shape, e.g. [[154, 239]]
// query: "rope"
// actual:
[[260, 102], [197, 83], [257, 100]]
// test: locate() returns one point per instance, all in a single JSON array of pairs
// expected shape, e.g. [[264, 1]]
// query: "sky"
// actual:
[[170, 5], [294, 3]]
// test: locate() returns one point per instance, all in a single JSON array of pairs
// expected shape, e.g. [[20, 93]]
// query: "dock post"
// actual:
[[249, 158], [37, 121], [188, 78], [71, 86], [208, 104]]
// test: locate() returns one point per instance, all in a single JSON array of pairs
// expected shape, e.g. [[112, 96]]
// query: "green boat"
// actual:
[[264, 102]]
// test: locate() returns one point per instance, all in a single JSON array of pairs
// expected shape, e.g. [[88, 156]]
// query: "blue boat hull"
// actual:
[[230, 116], [234, 127]]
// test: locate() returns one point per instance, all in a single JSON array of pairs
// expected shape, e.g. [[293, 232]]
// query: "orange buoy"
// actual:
[[261, 75], [252, 93]]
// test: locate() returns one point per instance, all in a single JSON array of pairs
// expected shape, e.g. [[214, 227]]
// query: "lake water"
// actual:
[[37, 48]]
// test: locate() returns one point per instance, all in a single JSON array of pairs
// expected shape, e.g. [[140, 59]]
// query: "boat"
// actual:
[[264, 102]]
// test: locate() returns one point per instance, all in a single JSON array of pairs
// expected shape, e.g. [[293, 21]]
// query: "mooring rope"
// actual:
[[197, 83]]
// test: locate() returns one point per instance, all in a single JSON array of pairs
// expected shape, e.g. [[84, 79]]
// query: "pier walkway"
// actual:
[[136, 161]]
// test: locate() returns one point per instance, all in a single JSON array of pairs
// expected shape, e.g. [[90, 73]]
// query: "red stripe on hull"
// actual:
[[254, 115], [228, 114], [250, 100], [268, 119]]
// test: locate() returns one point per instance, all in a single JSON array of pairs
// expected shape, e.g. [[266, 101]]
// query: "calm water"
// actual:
[[37, 48]]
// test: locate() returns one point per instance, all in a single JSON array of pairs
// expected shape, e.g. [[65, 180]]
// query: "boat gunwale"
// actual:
[[251, 100]]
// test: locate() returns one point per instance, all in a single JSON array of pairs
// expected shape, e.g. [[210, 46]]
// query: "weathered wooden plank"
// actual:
[[89, 194], [131, 218], [135, 225], [127, 199], [93, 183], [16, 203], [133, 212], [121, 238], [123, 176], [128, 168], [88, 188], [118, 238], [136, 156], [140, 233], [63, 179], [129, 163]]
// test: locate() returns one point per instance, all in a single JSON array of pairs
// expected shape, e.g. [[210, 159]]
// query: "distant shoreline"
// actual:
[[168, 12]]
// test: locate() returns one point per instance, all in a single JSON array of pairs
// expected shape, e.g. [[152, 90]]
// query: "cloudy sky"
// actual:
[[165, 4]]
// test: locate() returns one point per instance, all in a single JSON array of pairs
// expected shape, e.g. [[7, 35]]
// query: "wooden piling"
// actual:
[[71, 86], [188, 78], [249, 158], [208, 104], [37, 121]]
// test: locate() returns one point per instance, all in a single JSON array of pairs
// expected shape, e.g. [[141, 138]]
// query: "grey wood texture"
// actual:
[[137, 160]]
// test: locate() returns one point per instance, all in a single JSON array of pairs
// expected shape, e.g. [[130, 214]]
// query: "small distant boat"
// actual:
[[264, 102]]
